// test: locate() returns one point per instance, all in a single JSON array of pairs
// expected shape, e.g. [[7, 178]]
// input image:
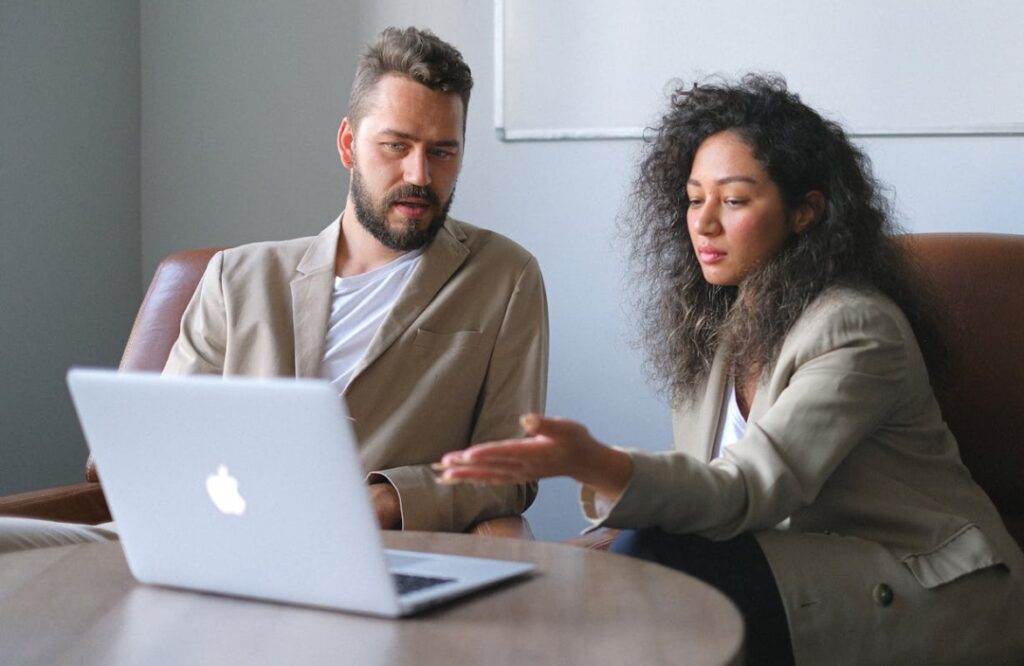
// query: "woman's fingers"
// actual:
[[478, 474], [545, 452], [535, 424], [492, 451]]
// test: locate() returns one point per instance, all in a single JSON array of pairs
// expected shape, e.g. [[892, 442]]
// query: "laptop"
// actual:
[[254, 488]]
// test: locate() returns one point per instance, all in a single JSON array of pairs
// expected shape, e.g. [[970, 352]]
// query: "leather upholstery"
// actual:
[[974, 285]]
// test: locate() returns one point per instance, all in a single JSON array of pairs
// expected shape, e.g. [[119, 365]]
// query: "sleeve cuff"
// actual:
[[597, 508], [408, 482]]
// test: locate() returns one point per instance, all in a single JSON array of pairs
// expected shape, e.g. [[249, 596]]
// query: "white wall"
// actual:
[[881, 66], [69, 220]]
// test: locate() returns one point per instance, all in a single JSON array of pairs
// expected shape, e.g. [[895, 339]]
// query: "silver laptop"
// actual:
[[253, 487]]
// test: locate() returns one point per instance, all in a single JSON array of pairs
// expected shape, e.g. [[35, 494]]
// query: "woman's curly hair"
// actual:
[[685, 319]]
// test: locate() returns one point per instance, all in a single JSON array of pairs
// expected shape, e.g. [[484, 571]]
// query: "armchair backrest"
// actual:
[[975, 286], [159, 318]]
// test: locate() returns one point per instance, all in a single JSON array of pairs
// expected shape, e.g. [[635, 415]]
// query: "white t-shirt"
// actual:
[[359, 305], [733, 425]]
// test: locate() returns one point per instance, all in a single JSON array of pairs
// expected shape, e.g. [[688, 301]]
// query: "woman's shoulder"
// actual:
[[848, 315], [846, 305]]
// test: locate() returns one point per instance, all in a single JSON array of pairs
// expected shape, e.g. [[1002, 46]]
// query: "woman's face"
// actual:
[[736, 217]]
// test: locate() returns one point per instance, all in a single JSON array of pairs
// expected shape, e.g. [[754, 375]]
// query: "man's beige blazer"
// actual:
[[461, 355], [883, 548]]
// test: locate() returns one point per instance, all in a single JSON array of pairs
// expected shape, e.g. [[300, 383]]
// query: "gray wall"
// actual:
[[70, 278], [240, 102]]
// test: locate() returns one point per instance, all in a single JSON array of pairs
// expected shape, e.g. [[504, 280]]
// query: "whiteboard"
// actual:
[[579, 69]]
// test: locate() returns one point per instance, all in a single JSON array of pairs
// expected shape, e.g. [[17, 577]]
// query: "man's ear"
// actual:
[[345, 140], [809, 212]]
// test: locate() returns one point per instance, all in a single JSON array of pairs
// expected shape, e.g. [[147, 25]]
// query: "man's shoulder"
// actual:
[[487, 245], [263, 250], [265, 257]]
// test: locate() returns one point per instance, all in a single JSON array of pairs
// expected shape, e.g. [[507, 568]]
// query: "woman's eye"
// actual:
[[694, 203], [735, 202]]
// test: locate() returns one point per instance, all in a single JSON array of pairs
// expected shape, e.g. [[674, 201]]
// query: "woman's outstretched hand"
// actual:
[[551, 447]]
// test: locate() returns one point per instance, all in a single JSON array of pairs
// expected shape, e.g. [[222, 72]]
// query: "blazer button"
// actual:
[[883, 594]]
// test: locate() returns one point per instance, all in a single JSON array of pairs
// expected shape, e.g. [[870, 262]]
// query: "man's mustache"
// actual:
[[413, 191]]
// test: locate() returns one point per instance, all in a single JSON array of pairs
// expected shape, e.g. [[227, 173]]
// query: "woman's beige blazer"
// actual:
[[883, 548]]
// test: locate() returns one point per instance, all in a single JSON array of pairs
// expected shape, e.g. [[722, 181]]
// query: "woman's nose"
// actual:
[[704, 219]]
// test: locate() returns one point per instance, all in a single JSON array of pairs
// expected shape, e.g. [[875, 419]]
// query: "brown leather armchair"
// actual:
[[975, 283], [154, 332]]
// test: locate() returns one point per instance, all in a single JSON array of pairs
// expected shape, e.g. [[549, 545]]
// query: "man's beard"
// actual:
[[373, 214]]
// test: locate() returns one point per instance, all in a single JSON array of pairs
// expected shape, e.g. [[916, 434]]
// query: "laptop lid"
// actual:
[[249, 487]]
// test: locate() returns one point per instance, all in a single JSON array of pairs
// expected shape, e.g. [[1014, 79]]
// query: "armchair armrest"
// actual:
[[515, 527], [76, 503]]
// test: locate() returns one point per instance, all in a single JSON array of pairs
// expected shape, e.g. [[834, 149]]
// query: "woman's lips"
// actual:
[[708, 255]]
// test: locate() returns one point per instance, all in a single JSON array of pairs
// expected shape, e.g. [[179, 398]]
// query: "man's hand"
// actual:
[[387, 506]]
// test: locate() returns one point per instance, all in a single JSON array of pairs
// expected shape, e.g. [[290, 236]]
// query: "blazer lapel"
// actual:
[[697, 428], [711, 410], [311, 300], [440, 260]]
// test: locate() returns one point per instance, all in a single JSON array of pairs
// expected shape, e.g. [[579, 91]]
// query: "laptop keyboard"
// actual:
[[407, 583]]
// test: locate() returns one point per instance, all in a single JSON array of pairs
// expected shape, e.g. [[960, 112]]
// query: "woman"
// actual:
[[813, 480]]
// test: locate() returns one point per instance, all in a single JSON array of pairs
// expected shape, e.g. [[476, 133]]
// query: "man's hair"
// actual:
[[416, 54], [684, 319]]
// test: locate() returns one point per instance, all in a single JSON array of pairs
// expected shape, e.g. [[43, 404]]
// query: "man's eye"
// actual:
[[442, 154], [394, 147]]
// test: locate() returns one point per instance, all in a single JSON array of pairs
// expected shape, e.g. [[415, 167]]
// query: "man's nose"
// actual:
[[417, 168]]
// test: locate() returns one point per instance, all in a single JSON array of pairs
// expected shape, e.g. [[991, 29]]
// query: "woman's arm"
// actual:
[[552, 447]]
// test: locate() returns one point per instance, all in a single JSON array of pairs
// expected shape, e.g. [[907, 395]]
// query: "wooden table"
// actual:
[[80, 605]]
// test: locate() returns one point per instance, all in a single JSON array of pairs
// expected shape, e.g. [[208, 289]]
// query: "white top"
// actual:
[[733, 425], [359, 305]]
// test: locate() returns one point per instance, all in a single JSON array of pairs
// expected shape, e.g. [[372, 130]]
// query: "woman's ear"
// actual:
[[809, 212]]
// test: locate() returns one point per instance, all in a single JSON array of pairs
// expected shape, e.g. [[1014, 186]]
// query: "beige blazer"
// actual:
[[461, 355], [883, 548]]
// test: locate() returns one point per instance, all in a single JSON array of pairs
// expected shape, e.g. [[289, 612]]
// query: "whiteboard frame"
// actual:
[[508, 134]]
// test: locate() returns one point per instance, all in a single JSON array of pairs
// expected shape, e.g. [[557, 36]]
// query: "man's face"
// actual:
[[405, 157]]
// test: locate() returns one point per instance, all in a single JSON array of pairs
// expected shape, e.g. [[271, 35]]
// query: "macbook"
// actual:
[[253, 487]]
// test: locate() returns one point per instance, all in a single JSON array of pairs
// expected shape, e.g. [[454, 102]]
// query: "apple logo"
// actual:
[[223, 490]]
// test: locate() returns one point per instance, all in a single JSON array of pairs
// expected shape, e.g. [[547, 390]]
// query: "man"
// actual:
[[434, 331]]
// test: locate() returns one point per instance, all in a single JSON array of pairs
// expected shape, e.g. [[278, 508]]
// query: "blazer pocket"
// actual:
[[967, 551], [441, 342]]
